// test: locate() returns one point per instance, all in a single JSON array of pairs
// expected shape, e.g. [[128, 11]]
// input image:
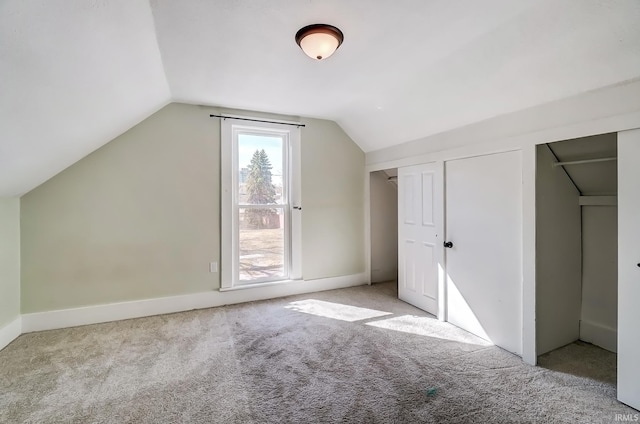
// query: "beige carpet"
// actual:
[[354, 355]]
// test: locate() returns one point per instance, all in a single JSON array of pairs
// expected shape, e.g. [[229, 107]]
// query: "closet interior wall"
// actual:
[[576, 243], [384, 225]]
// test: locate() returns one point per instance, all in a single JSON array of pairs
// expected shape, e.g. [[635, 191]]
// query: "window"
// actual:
[[260, 187]]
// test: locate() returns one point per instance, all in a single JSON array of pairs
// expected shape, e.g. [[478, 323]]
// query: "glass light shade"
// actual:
[[319, 45], [319, 41]]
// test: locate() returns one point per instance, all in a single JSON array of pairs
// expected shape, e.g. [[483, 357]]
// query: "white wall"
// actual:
[[384, 228], [9, 261], [140, 217], [599, 317], [558, 255]]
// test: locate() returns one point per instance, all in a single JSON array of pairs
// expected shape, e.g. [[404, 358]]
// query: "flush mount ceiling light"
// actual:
[[319, 41]]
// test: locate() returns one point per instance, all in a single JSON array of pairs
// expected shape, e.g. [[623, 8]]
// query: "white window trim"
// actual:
[[228, 179]]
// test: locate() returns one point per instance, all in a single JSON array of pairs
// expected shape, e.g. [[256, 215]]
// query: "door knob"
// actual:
[[448, 244]]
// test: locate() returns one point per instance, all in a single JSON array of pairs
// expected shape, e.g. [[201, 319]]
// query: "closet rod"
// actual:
[[578, 162]]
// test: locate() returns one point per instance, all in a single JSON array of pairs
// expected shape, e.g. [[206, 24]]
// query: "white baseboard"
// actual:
[[165, 305], [10, 332], [599, 335]]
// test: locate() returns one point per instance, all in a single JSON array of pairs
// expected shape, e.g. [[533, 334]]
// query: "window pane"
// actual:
[[260, 168], [261, 243]]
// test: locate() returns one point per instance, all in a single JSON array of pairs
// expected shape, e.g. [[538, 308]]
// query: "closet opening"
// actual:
[[577, 256], [384, 226]]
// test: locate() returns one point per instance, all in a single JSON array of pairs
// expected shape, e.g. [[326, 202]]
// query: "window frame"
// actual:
[[230, 130]]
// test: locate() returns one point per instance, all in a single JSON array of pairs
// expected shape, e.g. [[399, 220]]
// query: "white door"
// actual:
[[420, 235], [484, 265], [629, 267]]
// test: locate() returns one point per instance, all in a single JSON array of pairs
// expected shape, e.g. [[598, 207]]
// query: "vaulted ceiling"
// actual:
[[76, 73]]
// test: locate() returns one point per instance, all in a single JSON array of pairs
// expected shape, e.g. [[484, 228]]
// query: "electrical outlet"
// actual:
[[213, 267]]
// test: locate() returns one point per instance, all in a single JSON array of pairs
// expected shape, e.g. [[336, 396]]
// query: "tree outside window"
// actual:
[[261, 191]]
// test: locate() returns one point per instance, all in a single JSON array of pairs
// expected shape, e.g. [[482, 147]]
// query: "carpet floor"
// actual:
[[354, 355]]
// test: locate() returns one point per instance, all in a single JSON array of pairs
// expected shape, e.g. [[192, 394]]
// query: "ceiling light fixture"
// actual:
[[319, 41]]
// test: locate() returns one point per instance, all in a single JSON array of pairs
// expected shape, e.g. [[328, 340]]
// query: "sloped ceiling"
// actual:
[[73, 75], [76, 73], [594, 178]]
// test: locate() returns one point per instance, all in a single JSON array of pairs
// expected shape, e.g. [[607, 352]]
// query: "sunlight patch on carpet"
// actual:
[[335, 310], [426, 326]]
